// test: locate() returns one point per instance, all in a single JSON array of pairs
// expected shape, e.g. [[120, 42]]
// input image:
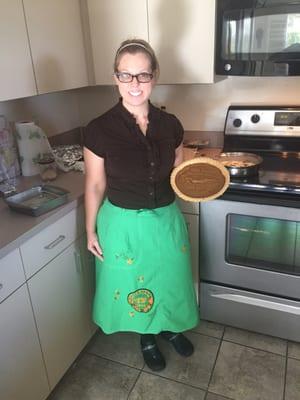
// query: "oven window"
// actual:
[[265, 243]]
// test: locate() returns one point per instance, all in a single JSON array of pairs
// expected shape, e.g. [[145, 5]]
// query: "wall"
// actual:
[[53, 112], [199, 107], [202, 107]]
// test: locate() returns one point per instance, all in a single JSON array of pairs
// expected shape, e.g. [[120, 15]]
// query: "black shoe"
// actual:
[[151, 353], [181, 344]]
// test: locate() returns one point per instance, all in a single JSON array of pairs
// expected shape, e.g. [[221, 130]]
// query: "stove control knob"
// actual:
[[237, 122], [255, 118]]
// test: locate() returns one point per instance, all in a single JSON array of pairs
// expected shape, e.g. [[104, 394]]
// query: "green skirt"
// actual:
[[145, 282]]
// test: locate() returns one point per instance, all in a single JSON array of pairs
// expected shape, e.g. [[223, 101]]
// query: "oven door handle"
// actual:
[[273, 305]]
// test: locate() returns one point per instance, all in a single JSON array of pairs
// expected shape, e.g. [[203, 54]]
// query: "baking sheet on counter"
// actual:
[[38, 200]]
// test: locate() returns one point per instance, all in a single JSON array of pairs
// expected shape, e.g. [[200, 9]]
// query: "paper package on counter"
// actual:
[[33, 144], [9, 163]]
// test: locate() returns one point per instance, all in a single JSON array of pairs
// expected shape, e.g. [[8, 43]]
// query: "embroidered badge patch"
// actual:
[[141, 300]]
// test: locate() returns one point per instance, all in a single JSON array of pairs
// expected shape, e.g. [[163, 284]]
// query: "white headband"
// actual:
[[133, 44]]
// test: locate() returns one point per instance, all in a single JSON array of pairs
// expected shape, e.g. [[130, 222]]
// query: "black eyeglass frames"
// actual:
[[126, 77]]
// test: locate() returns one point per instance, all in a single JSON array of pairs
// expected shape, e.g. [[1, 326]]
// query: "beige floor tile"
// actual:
[[94, 378], [210, 329], [121, 347], [212, 396], [294, 350], [256, 340], [242, 373], [151, 387], [292, 390]]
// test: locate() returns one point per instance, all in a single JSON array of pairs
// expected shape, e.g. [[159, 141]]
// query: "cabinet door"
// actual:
[[88, 262], [192, 222], [111, 22], [59, 301], [182, 35], [22, 371], [11, 273], [16, 72], [56, 41]]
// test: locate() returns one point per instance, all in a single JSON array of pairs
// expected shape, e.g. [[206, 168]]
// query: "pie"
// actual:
[[200, 179]]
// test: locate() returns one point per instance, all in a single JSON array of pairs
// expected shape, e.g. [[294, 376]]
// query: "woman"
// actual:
[[137, 233]]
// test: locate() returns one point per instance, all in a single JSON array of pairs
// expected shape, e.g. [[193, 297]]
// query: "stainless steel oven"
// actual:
[[250, 237]]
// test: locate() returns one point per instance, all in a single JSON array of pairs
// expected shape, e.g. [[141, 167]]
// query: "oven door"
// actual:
[[251, 246], [260, 39]]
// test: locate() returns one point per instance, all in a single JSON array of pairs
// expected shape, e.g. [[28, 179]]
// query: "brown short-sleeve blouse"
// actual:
[[137, 166]]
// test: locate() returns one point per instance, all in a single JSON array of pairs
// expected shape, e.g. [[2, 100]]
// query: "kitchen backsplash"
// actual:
[[199, 107]]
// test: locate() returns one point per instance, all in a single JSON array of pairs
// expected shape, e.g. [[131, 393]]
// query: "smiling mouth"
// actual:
[[135, 94]]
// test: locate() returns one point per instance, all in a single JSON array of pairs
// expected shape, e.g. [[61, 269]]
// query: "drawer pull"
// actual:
[[55, 242], [78, 262], [1, 286]]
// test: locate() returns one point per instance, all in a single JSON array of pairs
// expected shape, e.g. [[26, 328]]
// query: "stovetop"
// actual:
[[276, 174], [272, 132]]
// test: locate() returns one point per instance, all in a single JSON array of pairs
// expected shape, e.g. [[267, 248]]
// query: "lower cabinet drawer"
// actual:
[[11, 273], [51, 241]]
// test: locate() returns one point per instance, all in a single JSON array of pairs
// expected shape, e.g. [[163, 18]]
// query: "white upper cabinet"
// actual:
[[111, 22], [16, 74], [182, 35], [57, 46]]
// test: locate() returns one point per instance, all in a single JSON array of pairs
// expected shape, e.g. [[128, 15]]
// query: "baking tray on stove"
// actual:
[[37, 200]]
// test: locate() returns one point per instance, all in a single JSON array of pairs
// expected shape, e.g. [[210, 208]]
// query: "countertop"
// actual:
[[16, 228], [189, 154]]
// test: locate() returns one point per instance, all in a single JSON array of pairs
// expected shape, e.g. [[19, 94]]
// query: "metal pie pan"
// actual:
[[240, 164], [38, 199]]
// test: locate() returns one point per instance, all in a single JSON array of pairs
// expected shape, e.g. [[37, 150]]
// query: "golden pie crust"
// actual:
[[200, 179]]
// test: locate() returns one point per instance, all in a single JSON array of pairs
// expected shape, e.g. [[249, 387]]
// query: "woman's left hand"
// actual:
[[94, 246]]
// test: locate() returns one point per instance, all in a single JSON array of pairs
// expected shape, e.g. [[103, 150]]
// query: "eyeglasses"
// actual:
[[126, 77]]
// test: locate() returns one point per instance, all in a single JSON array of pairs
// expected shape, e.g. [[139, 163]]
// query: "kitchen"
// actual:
[[188, 89]]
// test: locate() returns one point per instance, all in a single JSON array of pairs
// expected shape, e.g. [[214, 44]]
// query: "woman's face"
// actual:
[[134, 94]]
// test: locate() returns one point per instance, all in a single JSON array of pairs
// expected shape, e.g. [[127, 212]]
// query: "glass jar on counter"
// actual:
[[48, 171]]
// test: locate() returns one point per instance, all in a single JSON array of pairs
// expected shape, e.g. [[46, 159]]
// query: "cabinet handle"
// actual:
[[55, 242], [78, 262], [1, 286]]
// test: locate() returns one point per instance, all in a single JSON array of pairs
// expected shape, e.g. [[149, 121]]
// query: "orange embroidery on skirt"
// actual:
[[141, 300], [183, 249]]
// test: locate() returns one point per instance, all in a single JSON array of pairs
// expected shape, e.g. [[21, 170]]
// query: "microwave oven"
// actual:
[[258, 37]]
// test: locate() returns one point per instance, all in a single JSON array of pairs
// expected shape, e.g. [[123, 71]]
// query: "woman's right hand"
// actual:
[[94, 246]]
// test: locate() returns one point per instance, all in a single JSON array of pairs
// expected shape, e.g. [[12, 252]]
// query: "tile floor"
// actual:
[[228, 364]]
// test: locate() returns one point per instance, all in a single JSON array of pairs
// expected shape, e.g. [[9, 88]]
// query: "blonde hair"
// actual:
[[133, 46]]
